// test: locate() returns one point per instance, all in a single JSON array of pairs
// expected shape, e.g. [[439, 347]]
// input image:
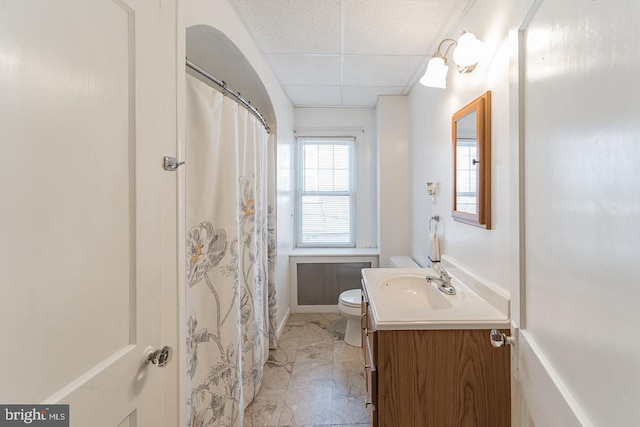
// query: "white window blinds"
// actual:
[[325, 192]]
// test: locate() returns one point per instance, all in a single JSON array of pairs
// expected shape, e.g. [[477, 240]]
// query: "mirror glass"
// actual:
[[472, 163], [467, 164]]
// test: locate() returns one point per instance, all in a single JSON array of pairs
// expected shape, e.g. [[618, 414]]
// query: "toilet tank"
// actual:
[[403, 262]]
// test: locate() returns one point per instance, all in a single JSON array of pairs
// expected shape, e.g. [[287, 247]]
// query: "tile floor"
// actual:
[[312, 379]]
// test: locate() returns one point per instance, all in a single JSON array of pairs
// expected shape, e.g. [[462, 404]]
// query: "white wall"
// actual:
[[488, 253], [582, 147], [219, 14], [582, 206], [360, 123], [394, 188]]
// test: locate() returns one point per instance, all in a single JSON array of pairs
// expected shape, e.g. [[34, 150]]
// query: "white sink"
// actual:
[[413, 290], [402, 298]]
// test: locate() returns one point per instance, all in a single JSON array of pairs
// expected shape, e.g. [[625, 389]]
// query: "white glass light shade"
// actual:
[[436, 74], [468, 51]]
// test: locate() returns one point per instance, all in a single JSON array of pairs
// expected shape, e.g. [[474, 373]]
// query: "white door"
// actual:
[[578, 353], [87, 110]]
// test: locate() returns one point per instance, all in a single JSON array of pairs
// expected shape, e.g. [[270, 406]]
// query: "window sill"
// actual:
[[301, 252]]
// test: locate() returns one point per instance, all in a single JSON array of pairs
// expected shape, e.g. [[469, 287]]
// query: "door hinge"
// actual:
[[171, 163]]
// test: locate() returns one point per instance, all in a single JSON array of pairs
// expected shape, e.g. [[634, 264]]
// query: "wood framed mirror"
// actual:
[[472, 163]]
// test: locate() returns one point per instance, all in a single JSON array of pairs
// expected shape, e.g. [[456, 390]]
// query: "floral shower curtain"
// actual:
[[230, 257]]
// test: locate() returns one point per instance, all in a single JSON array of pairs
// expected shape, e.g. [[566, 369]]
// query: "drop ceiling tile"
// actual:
[[320, 49], [397, 27], [368, 95], [305, 96], [285, 26], [380, 70], [310, 70]]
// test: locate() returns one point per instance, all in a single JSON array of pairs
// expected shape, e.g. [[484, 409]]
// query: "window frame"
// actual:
[[350, 142]]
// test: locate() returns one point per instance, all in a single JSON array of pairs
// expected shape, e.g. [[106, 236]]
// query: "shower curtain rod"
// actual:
[[227, 91]]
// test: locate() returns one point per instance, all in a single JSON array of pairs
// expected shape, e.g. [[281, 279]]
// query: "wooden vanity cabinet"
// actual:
[[369, 348], [434, 378]]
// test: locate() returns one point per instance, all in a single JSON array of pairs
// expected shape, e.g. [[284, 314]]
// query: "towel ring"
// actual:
[[434, 220]]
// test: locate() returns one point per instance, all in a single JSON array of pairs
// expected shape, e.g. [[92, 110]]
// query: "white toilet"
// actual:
[[350, 306], [350, 303], [403, 262]]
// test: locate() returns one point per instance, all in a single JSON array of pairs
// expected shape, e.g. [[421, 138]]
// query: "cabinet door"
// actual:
[[368, 330], [371, 377], [442, 378], [369, 349]]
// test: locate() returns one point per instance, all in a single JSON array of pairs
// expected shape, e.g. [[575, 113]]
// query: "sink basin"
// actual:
[[401, 298], [414, 291]]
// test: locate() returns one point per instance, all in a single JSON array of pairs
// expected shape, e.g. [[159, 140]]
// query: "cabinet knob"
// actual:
[[498, 339]]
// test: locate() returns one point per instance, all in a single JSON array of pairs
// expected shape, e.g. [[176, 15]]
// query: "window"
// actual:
[[325, 192]]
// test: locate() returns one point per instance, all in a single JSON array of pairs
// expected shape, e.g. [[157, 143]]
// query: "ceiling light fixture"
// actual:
[[467, 53]]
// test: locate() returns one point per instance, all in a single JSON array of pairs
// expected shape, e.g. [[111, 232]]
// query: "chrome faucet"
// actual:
[[443, 281]]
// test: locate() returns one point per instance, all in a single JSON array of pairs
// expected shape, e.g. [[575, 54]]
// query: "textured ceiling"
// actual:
[[348, 52]]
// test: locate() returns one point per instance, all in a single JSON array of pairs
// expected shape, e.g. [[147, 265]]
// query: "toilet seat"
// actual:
[[351, 298]]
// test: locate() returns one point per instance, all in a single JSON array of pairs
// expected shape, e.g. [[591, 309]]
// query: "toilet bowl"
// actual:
[[350, 303], [350, 306]]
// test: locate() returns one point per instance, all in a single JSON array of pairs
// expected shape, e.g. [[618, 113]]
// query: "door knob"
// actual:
[[498, 339], [161, 357]]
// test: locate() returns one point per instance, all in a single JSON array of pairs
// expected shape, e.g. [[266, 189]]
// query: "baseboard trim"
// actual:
[[283, 323], [547, 399]]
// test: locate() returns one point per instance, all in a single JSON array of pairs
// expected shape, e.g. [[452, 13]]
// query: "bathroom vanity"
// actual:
[[425, 365]]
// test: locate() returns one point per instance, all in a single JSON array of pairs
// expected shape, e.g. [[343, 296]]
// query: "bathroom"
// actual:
[[562, 244]]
